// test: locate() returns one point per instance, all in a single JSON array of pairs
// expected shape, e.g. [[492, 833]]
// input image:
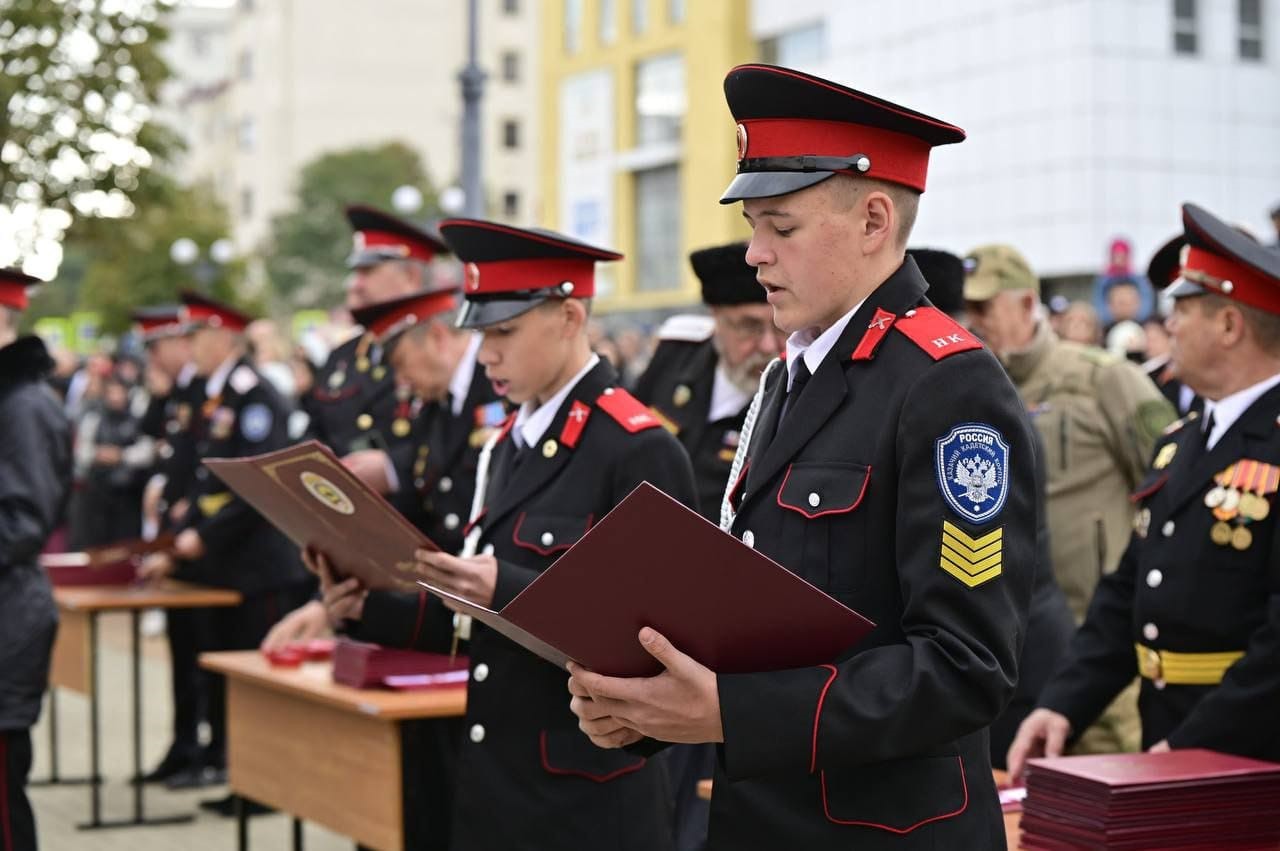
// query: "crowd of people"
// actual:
[[1063, 532]]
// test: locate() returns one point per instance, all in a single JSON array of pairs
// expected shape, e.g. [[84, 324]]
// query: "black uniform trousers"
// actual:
[[17, 824]]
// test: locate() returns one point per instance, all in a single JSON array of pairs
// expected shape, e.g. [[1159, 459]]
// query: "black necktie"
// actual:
[[798, 383]]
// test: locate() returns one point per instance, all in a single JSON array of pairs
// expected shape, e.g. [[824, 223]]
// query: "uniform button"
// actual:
[[1150, 632], [608, 391], [1167, 528], [1154, 578], [446, 484], [814, 499], [419, 482], [451, 521], [477, 733], [749, 538], [481, 673], [202, 473], [1159, 684], [547, 539]]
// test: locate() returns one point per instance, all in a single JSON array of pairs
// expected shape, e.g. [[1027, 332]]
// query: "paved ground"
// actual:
[[60, 808]]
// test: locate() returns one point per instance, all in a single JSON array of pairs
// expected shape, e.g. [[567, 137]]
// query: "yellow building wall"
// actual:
[[714, 36]]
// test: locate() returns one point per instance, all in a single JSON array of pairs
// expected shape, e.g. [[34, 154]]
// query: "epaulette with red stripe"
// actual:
[[628, 411], [935, 332]]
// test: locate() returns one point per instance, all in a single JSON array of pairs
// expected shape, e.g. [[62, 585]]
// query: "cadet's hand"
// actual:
[[342, 600], [155, 566], [188, 545], [151, 496], [178, 510], [1042, 733], [474, 577], [370, 467], [107, 455], [682, 704], [308, 621], [1161, 746]]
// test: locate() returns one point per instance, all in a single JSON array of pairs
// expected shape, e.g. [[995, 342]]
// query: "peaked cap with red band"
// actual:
[[159, 322], [795, 130], [199, 310], [509, 271], [1167, 263], [380, 237], [388, 319], [1220, 259], [13, 288]]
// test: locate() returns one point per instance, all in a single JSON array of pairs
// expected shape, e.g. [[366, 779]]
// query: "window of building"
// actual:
[[1250, 29], [1185, 36], [676, 10], [639, 16], [511, 7], [246, 5], [660, 99], [246, 202], [608, 21], [244, 64], [510, 134], [510, 66], [245, 134], [511, 204], [797, 47], [572, 26], [657, 217], [200, 42]]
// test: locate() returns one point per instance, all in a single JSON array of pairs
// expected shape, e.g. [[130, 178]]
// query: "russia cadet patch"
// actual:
[[972, 464], [256, 422]]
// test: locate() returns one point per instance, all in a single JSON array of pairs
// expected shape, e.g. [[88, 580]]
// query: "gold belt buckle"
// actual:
[[1152, 667]]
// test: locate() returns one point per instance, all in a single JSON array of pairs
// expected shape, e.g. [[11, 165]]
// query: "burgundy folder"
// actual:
[[109, 564], [653, 562], [306, 493], [362, 665]]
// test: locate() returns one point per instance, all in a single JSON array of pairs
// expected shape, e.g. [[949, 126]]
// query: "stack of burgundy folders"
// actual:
[[1192, 800], [362, 665], [109, 564]]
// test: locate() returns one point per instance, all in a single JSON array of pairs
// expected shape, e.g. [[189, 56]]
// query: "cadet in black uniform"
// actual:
[[233, 545], [527, 777], [889, 463], [35, 477], [1194, 607]]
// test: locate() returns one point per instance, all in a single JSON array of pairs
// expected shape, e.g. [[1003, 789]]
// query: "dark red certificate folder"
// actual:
[[108, 564], [306, 493], [653, 562]]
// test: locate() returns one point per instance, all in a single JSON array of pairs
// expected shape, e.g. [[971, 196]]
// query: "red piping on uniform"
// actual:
[[471, 524], [598, 778], [417, 623], [817, 713], [6, 831], [899, 830], [542, 551], [742, 477], [1138, 496], [861, 493]]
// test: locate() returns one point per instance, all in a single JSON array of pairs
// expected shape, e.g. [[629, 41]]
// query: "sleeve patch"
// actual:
[[628, 411], [255, 422], [243, 380], [937, 333], [972, 467], [971, 560]]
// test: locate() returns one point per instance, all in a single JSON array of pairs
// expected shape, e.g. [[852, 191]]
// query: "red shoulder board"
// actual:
[[876, 331], [629, 411], [506, 428], [936, 332], [574, 423]]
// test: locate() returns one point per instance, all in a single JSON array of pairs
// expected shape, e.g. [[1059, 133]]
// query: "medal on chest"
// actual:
[[1239, 497]]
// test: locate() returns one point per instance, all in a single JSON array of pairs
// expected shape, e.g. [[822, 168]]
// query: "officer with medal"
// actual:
[[1194, 608], [176, 398], [35, 478], [888, 462], [233, 546], [527, 776]]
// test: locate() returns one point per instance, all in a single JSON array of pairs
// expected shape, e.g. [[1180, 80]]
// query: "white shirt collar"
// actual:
[[532, 423], [460, 381], [727, 399], [218, 380], [814, 349], [1226, 411], [185, 375]]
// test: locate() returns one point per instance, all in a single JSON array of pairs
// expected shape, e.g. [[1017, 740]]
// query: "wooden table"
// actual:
[[1012, 831], [75, 666], [319, 751]]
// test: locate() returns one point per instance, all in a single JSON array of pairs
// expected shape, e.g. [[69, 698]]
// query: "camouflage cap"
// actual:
[[993, 269]]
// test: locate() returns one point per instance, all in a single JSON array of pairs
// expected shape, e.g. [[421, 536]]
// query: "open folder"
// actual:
[[306, 493], [653, 562]]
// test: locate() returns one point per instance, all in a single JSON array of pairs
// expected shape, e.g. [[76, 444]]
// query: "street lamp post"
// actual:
[[204, 269], [472, 78]]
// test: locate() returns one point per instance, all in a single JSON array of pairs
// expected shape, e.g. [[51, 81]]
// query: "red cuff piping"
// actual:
[[417, 624], [817, 715], [568, 772], [800, 510], [964, 783], [1139, 495]]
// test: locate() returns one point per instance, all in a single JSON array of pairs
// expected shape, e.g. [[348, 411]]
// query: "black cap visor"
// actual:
[[1182, 288], [369, 257], [482, 312], [767, 184]]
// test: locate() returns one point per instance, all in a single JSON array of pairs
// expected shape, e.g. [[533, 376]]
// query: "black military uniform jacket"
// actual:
[[35, 477], [527, 777], [886, 747], [677, 386], [242, 550], [1178, 590]]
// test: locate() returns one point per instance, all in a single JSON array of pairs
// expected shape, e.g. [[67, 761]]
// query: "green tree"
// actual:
[[310, 242], [78, 81]]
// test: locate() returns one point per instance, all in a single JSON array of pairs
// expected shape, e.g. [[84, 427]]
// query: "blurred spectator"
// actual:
[[634, 351], [1127, 340], [267, 349], [113, 458], [1080, 324], [1123, 300], [1157, 338]]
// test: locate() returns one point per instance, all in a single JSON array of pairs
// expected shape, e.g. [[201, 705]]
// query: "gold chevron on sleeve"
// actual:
[[971, 560]]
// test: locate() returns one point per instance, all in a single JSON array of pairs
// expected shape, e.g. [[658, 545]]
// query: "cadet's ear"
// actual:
[[575, 315], [879, 221]]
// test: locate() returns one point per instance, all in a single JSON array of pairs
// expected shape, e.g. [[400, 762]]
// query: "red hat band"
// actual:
[[200, 314], [412, 313], [895, 157], [1233, 280], [155, 328], [367, 239], [13, 295], [574, 277]]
